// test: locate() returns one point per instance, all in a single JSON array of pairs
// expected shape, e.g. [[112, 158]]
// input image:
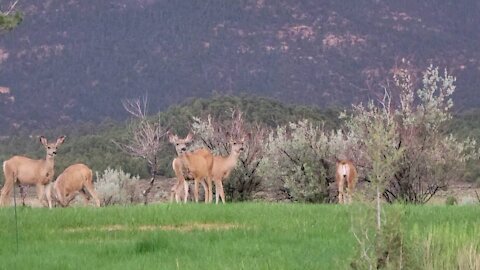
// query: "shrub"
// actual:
[[299, 160], [428, 157], [116, 187], [451, 200], [386, 247]]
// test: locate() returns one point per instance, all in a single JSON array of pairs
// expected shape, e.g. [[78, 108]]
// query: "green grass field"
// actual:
[[198, 236]]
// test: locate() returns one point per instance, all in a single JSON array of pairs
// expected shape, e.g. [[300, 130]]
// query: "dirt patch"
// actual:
[[179, 228]]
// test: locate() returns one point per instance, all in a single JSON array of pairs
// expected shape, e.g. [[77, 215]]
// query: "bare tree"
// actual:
[[146, 138]]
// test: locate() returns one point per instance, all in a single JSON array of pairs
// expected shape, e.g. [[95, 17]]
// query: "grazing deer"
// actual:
[[197, 165], [25, 171], [345, 172], [76, 178], [223, 166]]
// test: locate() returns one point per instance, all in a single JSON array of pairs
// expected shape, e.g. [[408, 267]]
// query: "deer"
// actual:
[[345, 172], [26, 171], [74, 179], [223, 166], [197, 165]]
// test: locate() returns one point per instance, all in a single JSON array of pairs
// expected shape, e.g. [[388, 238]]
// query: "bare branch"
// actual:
[[136, 107], [146, 137], [11, 8]]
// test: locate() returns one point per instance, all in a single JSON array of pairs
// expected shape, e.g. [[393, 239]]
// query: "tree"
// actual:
[[145, 139], [403, 143]]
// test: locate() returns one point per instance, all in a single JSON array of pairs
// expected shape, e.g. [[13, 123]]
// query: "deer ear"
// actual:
[[171, 138], [61, 139], [189, 137], [43, 140], [247, 136]]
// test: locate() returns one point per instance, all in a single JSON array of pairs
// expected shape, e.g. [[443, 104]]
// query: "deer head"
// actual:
[[51, 148], [180, 144], [237, 145]]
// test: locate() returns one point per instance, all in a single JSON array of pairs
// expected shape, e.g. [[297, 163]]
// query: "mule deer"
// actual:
[[223, 166], [25, 171], [74, 179], [197, 165], [345, 173]]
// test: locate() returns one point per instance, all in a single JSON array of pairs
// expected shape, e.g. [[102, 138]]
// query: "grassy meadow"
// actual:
[[231, 236]]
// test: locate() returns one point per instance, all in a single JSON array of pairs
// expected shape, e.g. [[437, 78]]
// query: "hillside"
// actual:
[[75, 60]]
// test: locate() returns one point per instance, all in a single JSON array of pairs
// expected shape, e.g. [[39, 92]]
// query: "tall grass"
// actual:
[[198, 236], [450, 246]]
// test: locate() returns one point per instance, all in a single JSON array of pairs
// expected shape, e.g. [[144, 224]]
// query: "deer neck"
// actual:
[[231, 160], [49, 162]]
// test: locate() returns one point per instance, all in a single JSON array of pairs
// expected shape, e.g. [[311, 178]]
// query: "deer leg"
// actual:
[[341, 199], [206, 189], [5, 194], [40, 193], [222, 193], [93, 193], [48, 193], [217, 192], [23, 193], [84, 194], [210, 191], [7, 186], [175, 193], [195, 190], [186, 191]]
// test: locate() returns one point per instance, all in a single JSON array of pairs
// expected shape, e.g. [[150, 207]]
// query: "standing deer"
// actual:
[[25, 171], [223, 166], [345, 172], [76, 178], [197, 165]]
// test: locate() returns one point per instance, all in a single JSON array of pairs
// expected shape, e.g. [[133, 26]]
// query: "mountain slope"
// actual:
[[76, 60]]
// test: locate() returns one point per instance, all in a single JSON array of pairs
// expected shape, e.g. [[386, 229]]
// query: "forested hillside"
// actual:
[[73, 61]]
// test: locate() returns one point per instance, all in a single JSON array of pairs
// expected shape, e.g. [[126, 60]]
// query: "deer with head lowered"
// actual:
[[197, 165], [26, 171], [75, 179], [345, 173], [223, 166]]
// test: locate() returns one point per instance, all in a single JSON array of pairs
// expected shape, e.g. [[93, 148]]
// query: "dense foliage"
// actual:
[[9, 21]]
